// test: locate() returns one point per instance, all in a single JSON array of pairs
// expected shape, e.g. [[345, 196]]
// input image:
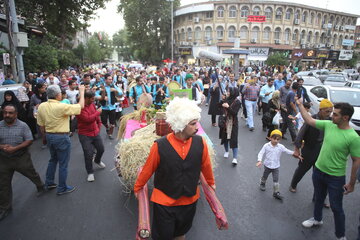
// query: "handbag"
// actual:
[[222, 121]]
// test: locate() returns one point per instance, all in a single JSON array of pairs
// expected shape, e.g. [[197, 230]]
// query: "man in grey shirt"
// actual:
[[284, 90], [15, 138]]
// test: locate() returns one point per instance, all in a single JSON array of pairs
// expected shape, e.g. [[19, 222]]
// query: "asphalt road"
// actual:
[[100, 210]]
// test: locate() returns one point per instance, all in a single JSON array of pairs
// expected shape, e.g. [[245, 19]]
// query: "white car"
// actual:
[[353, 84], [11, 87], [336, 94]]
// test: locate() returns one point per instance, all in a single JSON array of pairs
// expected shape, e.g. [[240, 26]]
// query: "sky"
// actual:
[[109, 21]]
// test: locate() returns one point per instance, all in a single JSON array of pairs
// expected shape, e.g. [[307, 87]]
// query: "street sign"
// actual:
[[6, 58]]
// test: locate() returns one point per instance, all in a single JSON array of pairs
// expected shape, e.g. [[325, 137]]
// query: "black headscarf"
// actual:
[[234, 92], [14, 101], [43, 96]]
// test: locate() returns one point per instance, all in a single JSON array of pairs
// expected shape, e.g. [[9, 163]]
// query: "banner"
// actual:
[[346, 55], [252, 18], [334, 55], [348, 42]]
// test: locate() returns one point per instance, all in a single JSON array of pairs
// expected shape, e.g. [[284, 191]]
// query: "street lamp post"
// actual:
[[172, 28]]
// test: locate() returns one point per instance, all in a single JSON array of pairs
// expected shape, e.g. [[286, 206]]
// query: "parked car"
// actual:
[[336, 94], [353, 84], [311, 81], [307, 73], [335, 80], [321, 73], [4, 88], [352, 74]]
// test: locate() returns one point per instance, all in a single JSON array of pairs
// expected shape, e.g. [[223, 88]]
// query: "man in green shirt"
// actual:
[[340, 141]]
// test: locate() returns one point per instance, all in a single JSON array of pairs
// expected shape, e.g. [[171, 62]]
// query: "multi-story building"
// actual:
[[262, 26], [357, 37]]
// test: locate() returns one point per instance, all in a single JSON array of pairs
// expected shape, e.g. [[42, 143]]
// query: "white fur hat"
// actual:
[[180, 112]]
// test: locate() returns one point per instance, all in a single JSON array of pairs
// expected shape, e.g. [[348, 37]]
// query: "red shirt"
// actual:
[[153, 161], [89, 121]]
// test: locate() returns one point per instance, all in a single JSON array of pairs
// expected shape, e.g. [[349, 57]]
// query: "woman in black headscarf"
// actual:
[[38, 97], [229, 130], [10, 98]]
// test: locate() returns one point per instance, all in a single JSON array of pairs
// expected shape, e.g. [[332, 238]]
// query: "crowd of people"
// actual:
[[52, 106]]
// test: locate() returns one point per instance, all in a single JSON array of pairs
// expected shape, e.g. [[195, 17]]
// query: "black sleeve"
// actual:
[[306, 96], [234, 108], [301, 135]]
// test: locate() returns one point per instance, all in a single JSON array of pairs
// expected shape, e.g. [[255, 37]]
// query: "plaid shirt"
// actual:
[[251, 92]]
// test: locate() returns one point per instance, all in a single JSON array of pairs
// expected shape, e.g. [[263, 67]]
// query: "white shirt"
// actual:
[[55, 81], [272, 154], [71, 95]]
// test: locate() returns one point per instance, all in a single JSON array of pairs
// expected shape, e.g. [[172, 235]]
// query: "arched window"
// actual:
[[349, 21], [287, 36], [295, 35], [304, 17], [317, 36], [340, 40], [256, 11], [302, 35], [243, 32], [297, 15], [255, 33], [288, 14], [219, 32], [189, 34], [318, 19], [309, 37], [197, 33], [277, 33], [244, 12], [220, 12], [312, 17], [278, 14], [268, 13], [337, 21], [322, 38], [266, 33], [335, 40], [182, 35], [331, 20], [324, 21], [178, 35], [231, 32], [232, 12], [208, 33]]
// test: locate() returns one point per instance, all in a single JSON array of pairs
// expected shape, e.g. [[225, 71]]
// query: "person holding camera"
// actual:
[[107, 99]]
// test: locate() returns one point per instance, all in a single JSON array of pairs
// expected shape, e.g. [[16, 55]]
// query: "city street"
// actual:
[[101, 210]]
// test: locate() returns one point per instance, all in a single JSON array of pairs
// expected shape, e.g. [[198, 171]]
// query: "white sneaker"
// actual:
[[342, 238], [91, 177], [311, 223], [234, 161], [226, 154], [101, 165]]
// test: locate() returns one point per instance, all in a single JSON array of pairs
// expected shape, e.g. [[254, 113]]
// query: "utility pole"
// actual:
[[19, 51], [11, 42], [172, 29]]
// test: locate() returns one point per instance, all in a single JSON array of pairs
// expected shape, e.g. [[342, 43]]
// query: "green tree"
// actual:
[[121, 41], [276, 59], [97, 49], [148, 24]]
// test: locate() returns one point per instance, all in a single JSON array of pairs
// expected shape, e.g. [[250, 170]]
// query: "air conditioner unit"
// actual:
[[196, 20], [337, 27], [321, 45], [297, 21], [208, 42], [342, 28], [303, 46], [327, 45], [189, 37], [253, 40], [277, 41]]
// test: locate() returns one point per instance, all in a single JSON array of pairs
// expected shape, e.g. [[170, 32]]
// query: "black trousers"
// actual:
[[310, 156], [8, 165], [89, 145], [213, 118], [287, 123], [265, 109]]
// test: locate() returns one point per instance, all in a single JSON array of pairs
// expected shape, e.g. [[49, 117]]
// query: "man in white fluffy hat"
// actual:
[[177, 160]]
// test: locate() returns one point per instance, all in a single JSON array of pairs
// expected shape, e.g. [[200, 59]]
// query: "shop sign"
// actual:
[[348, 42], [333, 55], [346, 55], [252, 18], [258, 51], [185, 51], [284, 53], [310, 54], [350, 27], [298, 54], [322, 54]]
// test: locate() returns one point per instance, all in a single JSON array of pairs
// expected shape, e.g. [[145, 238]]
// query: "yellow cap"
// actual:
[[325, 103], [276, 132]]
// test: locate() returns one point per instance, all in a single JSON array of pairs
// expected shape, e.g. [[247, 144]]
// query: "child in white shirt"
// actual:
[[271, 152]]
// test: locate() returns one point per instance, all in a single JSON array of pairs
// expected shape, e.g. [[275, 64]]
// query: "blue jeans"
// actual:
[[250, 110], [59, 146], [226, 146], [324, 183]]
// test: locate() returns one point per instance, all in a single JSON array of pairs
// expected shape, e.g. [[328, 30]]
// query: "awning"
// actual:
[[257, 58]]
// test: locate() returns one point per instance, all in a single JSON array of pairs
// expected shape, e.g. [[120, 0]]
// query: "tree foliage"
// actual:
[[122, 41], [276, 59], [148, 23]]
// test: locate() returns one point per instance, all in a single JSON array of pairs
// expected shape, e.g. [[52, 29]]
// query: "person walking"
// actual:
[[53, 119], [218, 93], [340, 141], [15, 138], [251, 94], [176, 192], [290, 111], [228, 133], [265, 95], [89, 125]]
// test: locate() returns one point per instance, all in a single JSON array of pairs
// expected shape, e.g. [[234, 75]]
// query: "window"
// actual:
[[178, 35], [208, 33], [288, 14], [189, 34], [243, 32], [266, 33], [309, 37], [244, 12], [335, 40], [320, 92], [277, 33], [197, 33], [324, 20], [231, 32], [322, 38], [287, 36], [232, 12], [268, 13], [256, 11], [297, 15], [220, 32], [295, 35], [317, 36], [182, 37], [318, 19], [190, 17], [302, 35], [255, 33], [311, 19], [209, 14], [340, 40], [220, 12], [304, 17], [278, 14], [331, 20]]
